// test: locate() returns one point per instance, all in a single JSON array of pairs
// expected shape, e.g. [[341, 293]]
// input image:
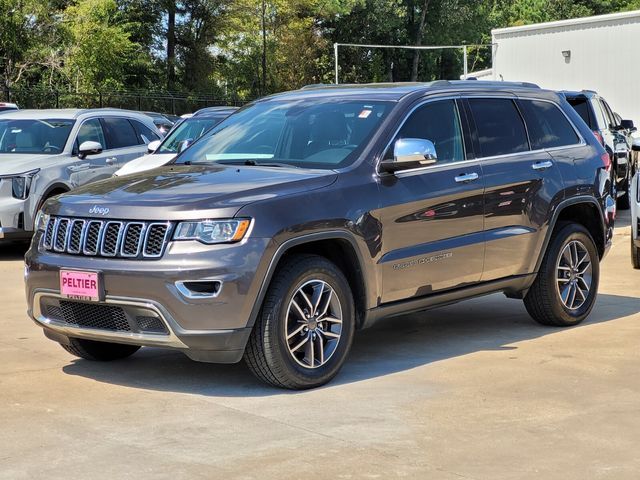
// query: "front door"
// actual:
[[432, 225]]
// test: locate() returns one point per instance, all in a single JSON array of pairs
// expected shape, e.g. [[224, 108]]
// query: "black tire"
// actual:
[[543, 301], [267, 353], [624, 202], [99, 351], [635, 254]]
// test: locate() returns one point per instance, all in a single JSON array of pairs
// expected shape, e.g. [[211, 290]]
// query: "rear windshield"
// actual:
[[581, 105], [46, 136], [313, 133]]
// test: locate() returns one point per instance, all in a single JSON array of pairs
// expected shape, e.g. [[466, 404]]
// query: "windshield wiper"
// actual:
[[252, 163]]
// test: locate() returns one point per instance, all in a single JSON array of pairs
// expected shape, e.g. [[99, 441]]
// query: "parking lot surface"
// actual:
[[475, 390]]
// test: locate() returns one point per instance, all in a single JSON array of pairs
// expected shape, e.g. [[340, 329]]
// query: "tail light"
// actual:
[[606, 161], [598, 135]]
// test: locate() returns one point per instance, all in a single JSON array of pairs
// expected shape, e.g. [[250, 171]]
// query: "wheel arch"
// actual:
[[338, 247], [583, 210]]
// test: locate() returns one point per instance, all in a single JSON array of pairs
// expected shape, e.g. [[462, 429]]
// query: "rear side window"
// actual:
[[500, 127], [119, 133], [145, 134], [548, 127], [581, 106]]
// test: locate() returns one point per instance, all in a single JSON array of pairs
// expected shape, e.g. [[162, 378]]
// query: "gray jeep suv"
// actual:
[[309, 215]]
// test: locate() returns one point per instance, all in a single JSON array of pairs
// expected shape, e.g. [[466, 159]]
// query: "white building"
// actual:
[[596, 53]]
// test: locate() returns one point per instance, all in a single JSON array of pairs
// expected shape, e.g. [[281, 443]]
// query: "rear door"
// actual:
[[123, 141], [521, 185], [432, 216]]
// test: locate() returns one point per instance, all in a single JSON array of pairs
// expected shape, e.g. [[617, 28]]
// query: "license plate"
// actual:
[[80, 285]]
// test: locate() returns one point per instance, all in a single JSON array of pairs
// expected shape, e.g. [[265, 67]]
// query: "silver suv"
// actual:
[[44, 153]]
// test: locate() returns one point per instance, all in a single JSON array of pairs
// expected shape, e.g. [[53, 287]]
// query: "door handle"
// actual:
[[466, 177], [542, 165], [111, 160]]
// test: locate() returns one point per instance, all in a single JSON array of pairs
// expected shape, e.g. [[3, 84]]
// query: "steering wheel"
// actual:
[[51, 149]]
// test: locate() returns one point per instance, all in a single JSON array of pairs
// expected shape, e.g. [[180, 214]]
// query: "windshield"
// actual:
[[34, 136], [190, 130], [314, 133]]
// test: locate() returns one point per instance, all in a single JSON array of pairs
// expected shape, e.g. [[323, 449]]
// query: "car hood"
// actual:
[[144, 163], [12, 164], [186, 192]]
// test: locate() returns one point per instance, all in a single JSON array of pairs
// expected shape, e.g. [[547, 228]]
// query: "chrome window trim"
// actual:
[[461, 96], [164, 239], [140, 239]]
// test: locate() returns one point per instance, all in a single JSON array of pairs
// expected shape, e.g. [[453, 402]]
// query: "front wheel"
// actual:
[[566, 286], [305, 328]]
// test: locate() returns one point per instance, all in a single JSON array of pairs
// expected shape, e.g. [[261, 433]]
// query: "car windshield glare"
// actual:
[[190, 129], [43, 136], [311, 133]]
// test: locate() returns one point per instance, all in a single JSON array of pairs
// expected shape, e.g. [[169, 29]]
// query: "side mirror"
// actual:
[[410, 153], [153, 146], [183, 145], [89, 148], [635, 146], [627, 124]]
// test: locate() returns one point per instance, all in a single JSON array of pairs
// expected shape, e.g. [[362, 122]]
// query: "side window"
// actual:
[[548, 127], [145, 135], [119, 132], [91, 131], [609, 121], [438, 122], [610, 115], [500, 127], [581, 105]]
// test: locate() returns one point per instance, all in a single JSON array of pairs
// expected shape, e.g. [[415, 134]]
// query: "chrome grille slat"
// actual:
[[76, 235], [113, 238]]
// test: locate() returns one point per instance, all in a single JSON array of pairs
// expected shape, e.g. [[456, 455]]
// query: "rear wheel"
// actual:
[[305, 328], [99, 351], [566, 286]]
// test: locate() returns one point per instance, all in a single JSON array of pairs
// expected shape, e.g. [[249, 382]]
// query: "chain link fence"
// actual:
[[163, 102]]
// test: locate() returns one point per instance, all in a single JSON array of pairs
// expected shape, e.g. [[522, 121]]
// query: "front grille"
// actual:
[[103, 317], [125, 239], [114, 318]]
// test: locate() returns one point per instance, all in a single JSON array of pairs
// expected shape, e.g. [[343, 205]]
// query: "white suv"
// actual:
[[44, 153]]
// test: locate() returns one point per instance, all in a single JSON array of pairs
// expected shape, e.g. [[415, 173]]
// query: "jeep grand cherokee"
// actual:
[[311, 214]]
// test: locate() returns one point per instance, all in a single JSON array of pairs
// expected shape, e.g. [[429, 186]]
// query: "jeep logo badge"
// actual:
[[98, 210]]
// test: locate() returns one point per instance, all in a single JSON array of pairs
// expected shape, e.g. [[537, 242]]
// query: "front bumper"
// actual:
[[212, 329]]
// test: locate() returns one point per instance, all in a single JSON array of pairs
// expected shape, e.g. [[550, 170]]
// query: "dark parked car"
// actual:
[[613, 133], [162, 123], [311, 214]]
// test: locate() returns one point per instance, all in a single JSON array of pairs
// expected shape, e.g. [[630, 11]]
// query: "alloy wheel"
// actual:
[[314, 324], [574, 275]]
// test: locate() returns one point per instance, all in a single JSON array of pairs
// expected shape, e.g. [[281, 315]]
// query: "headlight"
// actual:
[[21, 184], [212, 231], [41, 221]]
